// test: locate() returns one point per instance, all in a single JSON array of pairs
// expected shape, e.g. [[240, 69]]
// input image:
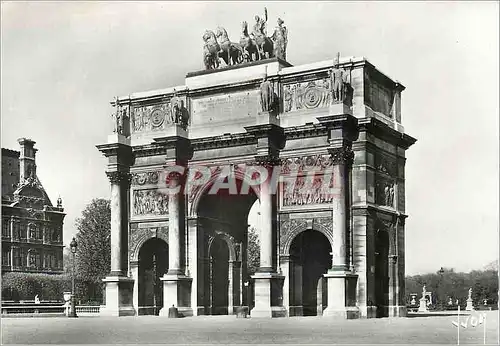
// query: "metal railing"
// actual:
[[84, 310]]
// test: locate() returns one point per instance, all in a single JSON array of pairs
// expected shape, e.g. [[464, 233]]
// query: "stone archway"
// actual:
[[222, 235], [152, 264], [309, 259]]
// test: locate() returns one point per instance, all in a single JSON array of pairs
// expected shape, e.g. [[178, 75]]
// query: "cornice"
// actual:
[[305, 131], [383, 131], [223, 141]]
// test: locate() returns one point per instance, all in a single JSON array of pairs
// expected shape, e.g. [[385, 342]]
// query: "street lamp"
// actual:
[[73, 245]]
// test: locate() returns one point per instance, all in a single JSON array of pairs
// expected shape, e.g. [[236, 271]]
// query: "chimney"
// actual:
[[27, 165]]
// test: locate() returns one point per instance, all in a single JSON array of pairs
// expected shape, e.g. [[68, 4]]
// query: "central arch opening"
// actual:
[[153, 263], [223, 240], [309, 259]]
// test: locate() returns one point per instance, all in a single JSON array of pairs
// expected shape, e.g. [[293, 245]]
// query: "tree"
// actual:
[[253, 251], [93, 258]]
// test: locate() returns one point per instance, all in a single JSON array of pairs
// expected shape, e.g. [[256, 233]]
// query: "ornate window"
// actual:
[[16, 231], [17, 257], [6, 257], [34, 259], [56, 235], [34, 231], [22, 230], [5, 227]]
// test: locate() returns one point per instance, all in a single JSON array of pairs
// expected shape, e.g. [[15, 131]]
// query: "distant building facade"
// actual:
[[32, 228]]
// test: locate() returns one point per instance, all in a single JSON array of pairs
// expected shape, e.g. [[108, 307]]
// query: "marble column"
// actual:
[[176, 286], [117, 179], [119, 287], [174, 236], [341, 281], [266, 281]]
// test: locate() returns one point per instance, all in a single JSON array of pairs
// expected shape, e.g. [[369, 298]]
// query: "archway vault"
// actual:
[[195, 196]]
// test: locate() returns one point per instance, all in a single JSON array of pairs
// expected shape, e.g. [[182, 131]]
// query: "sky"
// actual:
[[63, 62]]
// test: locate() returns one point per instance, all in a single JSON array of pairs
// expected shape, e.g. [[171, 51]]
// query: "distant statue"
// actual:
[[280, 40], [231, 52], [391, 196], [259, 35], [424, 290], [37, 300], [210, 50], [337, 81], [175, 109], [250, 49], [59, 202], [387, 193], [117, 118], [266, 95], [470, 293], [183, 118]]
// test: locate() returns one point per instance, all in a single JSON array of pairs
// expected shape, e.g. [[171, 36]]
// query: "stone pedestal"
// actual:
[[264, 118], [423, 305], [117, 138], [341, 295], [176, 293], [268, 296], [339, 109], [118, 297], [469, 306]]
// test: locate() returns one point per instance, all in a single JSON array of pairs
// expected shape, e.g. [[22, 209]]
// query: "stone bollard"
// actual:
[[173, 312], [242, 312]]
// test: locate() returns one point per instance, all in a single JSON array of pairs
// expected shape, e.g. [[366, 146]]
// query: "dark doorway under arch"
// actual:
[[309, 259], [219, 277], [153, 263], [382, 273]]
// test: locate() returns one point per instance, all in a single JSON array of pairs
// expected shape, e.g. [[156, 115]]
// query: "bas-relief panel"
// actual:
[[306, 95], [150, 202], [224, 108], [296, 193], [160, 116]]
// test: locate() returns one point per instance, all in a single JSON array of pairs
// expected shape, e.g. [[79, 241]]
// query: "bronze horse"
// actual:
[[210, 50], [250, 49], [230, 52]]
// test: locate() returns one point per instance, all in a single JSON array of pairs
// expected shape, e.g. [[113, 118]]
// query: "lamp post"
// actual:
[[73, 245], [438, 296]]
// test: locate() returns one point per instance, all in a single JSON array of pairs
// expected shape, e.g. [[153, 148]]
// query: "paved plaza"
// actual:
[[230, 330]]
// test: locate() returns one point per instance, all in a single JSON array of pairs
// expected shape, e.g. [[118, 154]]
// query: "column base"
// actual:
[[345, 313], [268, 289], [176, 293], [118, 297], [367, 311], [341, 295], [397, 311]]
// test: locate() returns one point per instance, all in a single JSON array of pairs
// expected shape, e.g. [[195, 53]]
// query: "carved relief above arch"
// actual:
[[291, 228], [138, 236]]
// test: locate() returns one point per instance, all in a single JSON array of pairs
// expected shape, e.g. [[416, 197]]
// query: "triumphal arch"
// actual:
[[320, 147]]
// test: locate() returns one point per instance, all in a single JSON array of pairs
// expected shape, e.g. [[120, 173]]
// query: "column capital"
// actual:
[[118, 177], [342, 155]]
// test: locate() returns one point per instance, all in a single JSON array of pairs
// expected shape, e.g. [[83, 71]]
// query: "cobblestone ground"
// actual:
[[230, 330]]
